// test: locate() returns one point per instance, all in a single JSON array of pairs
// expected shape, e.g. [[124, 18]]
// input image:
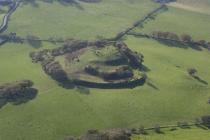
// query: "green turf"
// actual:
[[202, 6], [103, 19], [3, 11], [57, 112], [180, 21], [179, 134]]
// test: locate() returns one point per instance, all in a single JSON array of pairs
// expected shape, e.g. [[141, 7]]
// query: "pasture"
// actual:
[[169, 95]]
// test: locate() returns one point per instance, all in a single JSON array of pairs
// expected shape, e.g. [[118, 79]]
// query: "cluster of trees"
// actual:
[[31, 39], [15, 90], [125, 134], [165, 35], [184, 38], [172, 36], [69, 47], [11, 37], [205, 120], [54, 69], [40, 56], [119, 73], [114, 134], [134, 58]]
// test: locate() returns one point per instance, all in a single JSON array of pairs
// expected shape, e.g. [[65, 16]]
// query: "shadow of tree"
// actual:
[[145, 68], [179, 45], [152, 85], [34, 3], [200, 80], [170, 43], [66, 84], [202, 127], [83, 90], [28, 95], [35, 43]]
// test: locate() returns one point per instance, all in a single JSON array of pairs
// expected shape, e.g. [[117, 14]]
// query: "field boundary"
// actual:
[[189, 43], [139, 22], [6, 17]]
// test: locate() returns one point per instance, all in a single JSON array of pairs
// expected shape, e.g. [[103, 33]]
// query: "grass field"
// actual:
[[180, 134], [1, 18], [202, 6], [87, 22], [57, 112], [3, 11], [180, 21]]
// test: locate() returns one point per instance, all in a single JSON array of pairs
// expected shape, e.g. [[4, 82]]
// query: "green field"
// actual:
[[181, 22], [180, 134], [193, 5], [87, 21], [169, 96], [3, 11], [1, 17]]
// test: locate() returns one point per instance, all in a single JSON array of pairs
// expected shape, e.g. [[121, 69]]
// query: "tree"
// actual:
[[192, 71], [173, 36], [157, 129], [208, 45], [142, 130], [202, 42], [186, 38], [206, 120]]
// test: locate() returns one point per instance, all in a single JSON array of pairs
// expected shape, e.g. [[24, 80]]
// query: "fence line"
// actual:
[[137, 23]]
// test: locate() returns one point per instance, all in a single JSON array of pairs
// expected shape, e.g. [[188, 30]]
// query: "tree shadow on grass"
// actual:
[[200, 80], [152, 86], [29, 94], [202, 126], [71, 3], [34, 3], [145, 68], [170, 43], [178, 44], [35, 43], [83, 90]]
